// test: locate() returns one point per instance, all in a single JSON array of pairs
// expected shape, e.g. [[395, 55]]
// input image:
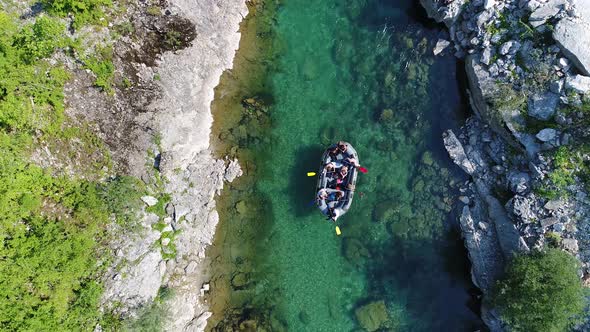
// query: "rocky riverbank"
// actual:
[[526, 145], [157, 125]]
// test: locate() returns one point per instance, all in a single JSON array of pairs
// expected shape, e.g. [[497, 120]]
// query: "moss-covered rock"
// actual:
[[355, 251], [383, 211], [372, 316]]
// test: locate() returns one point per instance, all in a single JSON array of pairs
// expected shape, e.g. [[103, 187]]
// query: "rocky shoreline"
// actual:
[[158, 129], [527, 64]]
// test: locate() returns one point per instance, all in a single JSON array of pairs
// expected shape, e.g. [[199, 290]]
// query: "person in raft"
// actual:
[[331, 200], [342, 174], [332, 197], [343, 149], [339, 151]]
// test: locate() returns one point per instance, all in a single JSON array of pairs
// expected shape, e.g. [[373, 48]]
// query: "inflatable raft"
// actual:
[[333, 193]]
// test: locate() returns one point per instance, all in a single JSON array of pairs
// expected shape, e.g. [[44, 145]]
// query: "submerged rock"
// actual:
[[241, 207], [355, 251], [372, 316], [240, 280], [383, 211]]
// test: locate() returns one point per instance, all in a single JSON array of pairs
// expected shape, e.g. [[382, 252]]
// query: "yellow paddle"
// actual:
[[310, 173]]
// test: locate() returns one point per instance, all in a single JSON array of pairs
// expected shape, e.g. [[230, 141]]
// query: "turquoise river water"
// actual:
[[360, 71]]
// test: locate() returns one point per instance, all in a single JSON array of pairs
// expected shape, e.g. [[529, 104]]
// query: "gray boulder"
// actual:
[[578, 83], [524, 208], [485, 255], [570, 245], [487, 4], [546, 135], [573, 37], [149, 200], [511, 47], [441, 45], [519, 182], [557, 86], [508, 236], [443, 13], [545, 12], [554, 204], [486, 56], [542, 106], [232, 171], [582, 8], [457, 153], [549, 222]]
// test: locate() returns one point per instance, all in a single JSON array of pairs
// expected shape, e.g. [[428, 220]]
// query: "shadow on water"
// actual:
[[410, 266], [300, 185]]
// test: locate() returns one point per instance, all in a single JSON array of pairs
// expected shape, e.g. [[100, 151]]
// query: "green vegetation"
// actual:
[[152, 317], [506, 98], [154, 11], [101, 64], [40, 39], [553, 239], [122, 195], [51, 225], [83, 11], [541, 291], [31, 91], [568, 162]]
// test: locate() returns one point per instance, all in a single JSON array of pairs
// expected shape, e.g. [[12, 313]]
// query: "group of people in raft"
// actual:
[[337, 168]]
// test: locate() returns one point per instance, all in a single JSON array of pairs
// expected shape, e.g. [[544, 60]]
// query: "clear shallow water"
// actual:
[[361, 71]]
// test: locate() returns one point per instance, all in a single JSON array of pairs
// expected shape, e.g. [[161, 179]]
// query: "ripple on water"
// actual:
[[361, 71]]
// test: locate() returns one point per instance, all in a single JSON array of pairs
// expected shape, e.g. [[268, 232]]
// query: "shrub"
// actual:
[[152, 317], [122, 195], [31, 91], [50, 230], [541, 291], [84, 11], [40, 39]]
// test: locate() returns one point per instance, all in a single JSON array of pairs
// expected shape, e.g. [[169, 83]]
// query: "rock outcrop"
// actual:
[[169, 250], [522, 93]]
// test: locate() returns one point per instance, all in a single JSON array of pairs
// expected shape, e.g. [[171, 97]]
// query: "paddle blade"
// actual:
[[363, 170], [310, 173], [338, 230]]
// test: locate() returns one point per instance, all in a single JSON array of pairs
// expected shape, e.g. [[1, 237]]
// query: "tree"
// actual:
[[541, 291]]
